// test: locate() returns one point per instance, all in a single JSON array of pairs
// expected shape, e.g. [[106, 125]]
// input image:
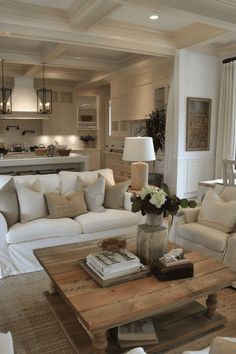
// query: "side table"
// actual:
[[151, 242]]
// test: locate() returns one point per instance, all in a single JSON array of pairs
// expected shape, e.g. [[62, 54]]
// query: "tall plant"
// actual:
[[155, 128]]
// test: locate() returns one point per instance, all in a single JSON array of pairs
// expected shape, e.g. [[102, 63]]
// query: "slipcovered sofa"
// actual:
[[211, 228], [18, 241]]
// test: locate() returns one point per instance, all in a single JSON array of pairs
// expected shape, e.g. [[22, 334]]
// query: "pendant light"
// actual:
[[44, 99], [5, 96]]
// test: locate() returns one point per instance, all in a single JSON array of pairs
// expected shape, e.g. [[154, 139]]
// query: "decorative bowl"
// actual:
[[113, 244]]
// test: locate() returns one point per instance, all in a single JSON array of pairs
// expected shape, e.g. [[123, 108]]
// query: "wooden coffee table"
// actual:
[[89, 314]]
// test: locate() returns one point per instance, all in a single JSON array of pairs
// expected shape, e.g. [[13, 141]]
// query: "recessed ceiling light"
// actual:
[[154, 17]]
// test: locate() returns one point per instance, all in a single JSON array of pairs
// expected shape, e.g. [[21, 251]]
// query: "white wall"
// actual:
[[198, 76]]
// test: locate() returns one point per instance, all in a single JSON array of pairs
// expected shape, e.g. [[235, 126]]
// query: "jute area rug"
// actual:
[[24, 312]]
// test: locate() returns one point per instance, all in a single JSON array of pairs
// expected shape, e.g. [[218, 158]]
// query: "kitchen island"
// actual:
[[31, 163]]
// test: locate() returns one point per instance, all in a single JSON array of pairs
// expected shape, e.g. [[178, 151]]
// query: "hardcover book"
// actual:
[[143, 271], [141, 332], [109, 262]]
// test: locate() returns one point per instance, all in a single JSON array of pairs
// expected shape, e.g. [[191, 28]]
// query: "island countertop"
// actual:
[[20, 161]]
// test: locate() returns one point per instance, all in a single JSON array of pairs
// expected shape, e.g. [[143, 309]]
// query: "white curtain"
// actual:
[[226, 132]]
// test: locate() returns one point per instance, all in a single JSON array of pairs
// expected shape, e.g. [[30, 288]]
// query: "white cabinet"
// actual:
[[62, 121], [140, 102]]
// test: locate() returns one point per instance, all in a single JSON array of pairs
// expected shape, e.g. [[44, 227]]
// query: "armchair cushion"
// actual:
[[221, 345], [204, 235], [217, 213]]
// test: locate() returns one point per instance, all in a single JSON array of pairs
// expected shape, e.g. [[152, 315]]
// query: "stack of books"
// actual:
[[109, 268], [171, 269], [137, 333]]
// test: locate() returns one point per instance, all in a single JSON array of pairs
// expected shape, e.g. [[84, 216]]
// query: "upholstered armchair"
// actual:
[[210, 228], [219, 345]]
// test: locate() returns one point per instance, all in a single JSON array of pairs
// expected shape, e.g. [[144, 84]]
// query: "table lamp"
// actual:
[[139, 149]]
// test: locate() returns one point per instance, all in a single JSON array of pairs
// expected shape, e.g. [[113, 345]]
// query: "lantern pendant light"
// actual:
[[44, 99], [5, 96]]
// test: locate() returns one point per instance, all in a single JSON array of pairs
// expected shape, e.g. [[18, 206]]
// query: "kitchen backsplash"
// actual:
[[11, 133]]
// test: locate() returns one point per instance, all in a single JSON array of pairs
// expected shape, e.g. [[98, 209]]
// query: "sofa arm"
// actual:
[[3, 226], [229, 258], [190, 214], [177, 219], [127, 201]]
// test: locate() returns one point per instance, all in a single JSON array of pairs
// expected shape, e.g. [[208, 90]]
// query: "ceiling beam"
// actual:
[[126, 44], [32, 71], [195, 34], [88, 13], [85, 64], [53, 51]]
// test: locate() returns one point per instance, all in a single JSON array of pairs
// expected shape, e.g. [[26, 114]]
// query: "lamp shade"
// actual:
[[139, 149]]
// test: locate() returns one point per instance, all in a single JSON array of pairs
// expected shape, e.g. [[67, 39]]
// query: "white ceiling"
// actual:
[[86, 41]]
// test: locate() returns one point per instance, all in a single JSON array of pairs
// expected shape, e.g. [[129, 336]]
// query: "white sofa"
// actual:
[[18, 242], [211, 228]]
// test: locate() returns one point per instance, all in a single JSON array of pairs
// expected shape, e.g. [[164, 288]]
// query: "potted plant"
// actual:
[[155, 128], [153, 201], [86, 139]]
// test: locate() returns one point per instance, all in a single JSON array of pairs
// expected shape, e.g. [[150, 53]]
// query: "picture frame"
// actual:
[[198, 124]]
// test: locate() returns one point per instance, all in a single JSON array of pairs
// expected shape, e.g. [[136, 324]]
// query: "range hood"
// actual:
[[24, 100]]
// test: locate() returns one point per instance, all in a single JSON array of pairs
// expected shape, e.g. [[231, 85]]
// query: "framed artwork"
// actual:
[[198, 124]]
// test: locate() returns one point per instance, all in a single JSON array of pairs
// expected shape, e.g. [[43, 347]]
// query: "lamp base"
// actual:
[[139, 175]]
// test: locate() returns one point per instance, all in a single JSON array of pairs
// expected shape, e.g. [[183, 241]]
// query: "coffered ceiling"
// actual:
[[87, 40]]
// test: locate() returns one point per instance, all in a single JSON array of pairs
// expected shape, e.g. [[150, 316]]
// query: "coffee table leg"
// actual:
[[100, 343], [211, 304], [52, 288]]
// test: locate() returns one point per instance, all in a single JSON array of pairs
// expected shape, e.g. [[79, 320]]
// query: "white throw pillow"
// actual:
[[222, 346], [9, 206], [32, 201], [94, 193], [217, 213]]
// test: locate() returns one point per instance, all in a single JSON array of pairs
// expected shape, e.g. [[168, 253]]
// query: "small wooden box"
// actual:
[[172, 273]]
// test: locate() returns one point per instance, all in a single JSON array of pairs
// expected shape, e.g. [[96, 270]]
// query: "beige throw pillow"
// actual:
[[94, 193], [114, 195], [222, 346], [31, 200], [217, 213], [229, 193], [9, 206], [66, 207]]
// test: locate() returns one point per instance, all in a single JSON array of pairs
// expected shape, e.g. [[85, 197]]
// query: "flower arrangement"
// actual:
[[86, 138], [155, 200]]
